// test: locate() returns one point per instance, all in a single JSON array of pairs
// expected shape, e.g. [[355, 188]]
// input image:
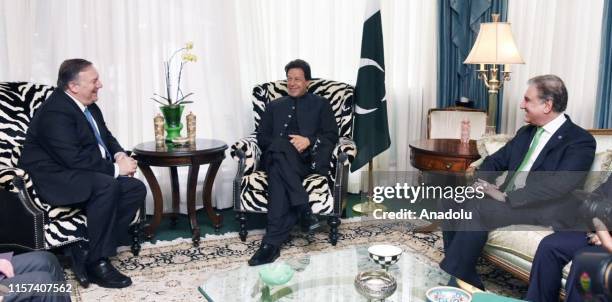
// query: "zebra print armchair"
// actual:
[[327, 193], [26, 221]]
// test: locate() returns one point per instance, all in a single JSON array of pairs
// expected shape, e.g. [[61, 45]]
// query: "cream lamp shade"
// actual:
[[494, 45]]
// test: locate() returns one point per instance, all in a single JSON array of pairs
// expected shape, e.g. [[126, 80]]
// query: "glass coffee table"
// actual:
[[326, 277]]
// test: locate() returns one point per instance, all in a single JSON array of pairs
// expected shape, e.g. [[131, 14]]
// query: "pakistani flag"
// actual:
[[370, 128]]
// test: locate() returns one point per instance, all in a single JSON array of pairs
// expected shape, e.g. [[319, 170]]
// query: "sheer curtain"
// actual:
[[128, 41], [558, 37], [411, 35], [328, 35], [239, 44]]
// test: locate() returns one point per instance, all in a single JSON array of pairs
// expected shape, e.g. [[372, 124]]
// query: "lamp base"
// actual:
[[492, 114]]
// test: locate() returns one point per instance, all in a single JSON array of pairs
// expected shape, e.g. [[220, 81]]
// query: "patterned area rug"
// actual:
[[172, 271]]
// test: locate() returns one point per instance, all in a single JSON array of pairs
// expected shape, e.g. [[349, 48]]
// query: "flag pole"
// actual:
[[366, 208]]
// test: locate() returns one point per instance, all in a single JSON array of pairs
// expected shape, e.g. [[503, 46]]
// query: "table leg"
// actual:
[[176, 198], [192, 181], [215, 217], [157, 199]]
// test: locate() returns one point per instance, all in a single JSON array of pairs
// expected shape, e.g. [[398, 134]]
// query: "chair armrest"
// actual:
[[19, 212], [344, 152], [7, 175], [247, 153]]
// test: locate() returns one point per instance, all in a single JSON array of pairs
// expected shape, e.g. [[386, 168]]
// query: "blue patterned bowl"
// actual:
[[447, 294], [276, 274]]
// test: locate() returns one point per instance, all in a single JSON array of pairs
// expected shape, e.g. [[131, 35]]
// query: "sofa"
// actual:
[[513, 248]]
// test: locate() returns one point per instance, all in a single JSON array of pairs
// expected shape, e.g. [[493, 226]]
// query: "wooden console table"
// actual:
[[204, 151]]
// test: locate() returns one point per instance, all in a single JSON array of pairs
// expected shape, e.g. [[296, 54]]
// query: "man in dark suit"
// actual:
[[74, 160], [32, 268], [296, 135], [556, 250], [546, 160]]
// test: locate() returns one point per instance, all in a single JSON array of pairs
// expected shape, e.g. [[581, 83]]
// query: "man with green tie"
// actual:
[[546, 160]]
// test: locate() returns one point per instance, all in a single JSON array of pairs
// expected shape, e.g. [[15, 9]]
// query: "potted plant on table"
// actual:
[[172, 107]]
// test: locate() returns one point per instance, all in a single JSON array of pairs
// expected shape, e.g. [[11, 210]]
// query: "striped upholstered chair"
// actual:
[[33, 224], [327, 193]]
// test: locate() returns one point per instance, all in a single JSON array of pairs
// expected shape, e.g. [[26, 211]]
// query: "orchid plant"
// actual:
[[186, 57]]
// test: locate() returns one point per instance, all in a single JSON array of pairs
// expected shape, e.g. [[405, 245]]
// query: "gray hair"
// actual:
[[551, 87]]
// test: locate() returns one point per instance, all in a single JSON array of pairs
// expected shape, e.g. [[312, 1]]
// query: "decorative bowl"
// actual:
[[276, 274], [181, 140], [384, 254], [375, 284], [447, 294]]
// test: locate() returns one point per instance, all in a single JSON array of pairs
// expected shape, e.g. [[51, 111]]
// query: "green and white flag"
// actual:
[[370, 127]]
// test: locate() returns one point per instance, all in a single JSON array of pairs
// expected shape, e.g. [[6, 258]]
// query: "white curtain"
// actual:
[[411, 37], [558, 37], [128, 41], [239, 44]]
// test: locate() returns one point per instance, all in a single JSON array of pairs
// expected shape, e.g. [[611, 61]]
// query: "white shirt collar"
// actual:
[[554, 125], [83, 107]]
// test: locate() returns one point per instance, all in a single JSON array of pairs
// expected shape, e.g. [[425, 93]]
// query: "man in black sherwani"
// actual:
[[297, 134]]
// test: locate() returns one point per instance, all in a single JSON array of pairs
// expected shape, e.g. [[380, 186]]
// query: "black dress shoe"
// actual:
[[103, 273], [308, 221], [266, 253]]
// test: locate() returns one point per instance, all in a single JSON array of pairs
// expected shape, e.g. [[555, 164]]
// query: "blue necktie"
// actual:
[[90, 119]]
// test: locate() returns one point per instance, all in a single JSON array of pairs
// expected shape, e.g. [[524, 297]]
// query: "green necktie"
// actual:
[[532, 147]]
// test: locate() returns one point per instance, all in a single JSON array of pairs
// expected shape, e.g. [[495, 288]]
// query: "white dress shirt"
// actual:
[[549, 130]]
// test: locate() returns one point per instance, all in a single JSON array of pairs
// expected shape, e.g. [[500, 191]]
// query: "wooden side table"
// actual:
[[204, 151], [445, 159], [443, 155]]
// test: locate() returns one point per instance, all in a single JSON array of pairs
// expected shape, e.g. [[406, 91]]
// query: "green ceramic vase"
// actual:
[[172, 116]]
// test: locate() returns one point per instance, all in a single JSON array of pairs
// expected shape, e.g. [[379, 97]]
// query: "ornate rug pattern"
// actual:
[[172, 271]]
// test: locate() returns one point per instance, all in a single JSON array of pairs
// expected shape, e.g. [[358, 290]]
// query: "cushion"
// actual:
[[600, 170], [254, 193], [521, 241], [491, 143]]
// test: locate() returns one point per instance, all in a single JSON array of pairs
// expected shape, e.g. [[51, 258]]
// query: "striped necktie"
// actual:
[[532, 147], [90, 119]]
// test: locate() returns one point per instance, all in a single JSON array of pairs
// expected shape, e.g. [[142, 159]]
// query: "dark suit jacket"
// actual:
[[315, 121], [61, 150], [558, 170]]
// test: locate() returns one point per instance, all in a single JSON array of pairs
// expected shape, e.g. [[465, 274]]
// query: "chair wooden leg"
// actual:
[[77, 256], [241, 217], [136, 232], [334, 223]]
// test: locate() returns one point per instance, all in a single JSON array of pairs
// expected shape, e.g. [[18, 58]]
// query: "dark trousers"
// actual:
[[110, 209], [465, 239], [554, 252], [35, 268], [286, 194]]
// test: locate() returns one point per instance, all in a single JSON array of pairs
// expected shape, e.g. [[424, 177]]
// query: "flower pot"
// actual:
[[172, 116]]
